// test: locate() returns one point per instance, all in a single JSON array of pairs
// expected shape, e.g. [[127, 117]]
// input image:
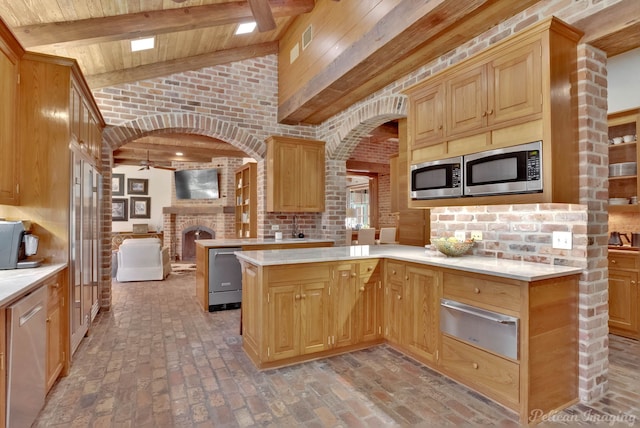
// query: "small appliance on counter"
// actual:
[[16, 243]]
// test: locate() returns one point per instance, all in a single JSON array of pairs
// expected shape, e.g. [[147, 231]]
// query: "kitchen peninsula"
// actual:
[[506, 329], [204, 245]]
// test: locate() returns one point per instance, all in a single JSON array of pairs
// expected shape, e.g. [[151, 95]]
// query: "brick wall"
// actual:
[[238, 104]]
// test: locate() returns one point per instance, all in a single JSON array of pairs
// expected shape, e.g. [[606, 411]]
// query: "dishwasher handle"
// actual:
[[26, 317], [477, 312]]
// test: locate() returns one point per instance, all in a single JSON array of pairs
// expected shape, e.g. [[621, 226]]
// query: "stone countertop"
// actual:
[[17, 282], [221, 243], [524, 271]]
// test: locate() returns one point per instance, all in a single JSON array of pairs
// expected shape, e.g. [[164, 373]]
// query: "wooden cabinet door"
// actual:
[[285, 177], [370, 307], [3, 367], [423, 299], [311, 177], [426, 115], [251, 316], [393, 311], [284, 321], [515, 84], [344, 293], [8, 127], [55, 345], [314, 316], [623, 302], [466, 97]]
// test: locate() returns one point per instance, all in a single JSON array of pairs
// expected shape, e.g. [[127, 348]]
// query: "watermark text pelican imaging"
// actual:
[[588, 416]]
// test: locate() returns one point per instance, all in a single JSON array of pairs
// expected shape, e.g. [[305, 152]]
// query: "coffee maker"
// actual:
[[16, 243]]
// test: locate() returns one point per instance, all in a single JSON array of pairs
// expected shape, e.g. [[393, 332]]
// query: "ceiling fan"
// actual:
[[146, 164]]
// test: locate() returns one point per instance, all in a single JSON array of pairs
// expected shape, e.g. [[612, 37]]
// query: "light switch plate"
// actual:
[[460, 235], [275, 227], [562, 240]]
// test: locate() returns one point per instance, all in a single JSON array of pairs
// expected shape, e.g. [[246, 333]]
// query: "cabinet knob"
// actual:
[[440, 127], [406, 277], [361, 288], [633, 282], [304, 296], [484, 114], [297, 297], [490, 111], [393, 272], [399, 297], [370, 268], [48, 320], [353, 274], [474, 365], [476, 290], [613, 261]]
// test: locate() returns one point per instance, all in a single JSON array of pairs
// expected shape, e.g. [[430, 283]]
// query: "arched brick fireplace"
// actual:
[[189, 237]]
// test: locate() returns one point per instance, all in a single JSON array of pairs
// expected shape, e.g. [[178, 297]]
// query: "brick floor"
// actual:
[[157, 360]]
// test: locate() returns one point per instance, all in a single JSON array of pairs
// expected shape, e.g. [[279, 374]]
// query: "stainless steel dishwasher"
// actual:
[[225, 279], [26, 339]]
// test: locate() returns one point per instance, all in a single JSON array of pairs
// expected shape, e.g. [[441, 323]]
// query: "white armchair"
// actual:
[[142, 260]]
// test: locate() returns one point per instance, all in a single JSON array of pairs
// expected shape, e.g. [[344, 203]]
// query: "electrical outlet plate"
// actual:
[[275, 227], [460, 235], [562, 240], [476, 235]]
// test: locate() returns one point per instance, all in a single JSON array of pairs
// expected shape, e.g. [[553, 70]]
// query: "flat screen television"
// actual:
[[197, 184]]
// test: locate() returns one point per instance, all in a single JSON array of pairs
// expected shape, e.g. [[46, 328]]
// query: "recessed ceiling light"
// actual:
[[142, 44], [178, 153], [245, 28]]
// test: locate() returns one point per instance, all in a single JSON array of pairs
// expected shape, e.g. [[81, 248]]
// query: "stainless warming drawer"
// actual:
[[485, 329]]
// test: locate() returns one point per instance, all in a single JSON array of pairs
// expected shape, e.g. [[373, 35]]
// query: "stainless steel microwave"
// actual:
[[437, 179], [516, 169]]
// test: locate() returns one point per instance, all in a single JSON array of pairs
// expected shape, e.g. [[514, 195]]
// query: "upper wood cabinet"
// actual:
[[86, 133], [511, 93], [295, 175], [10, 52], [506, 88]]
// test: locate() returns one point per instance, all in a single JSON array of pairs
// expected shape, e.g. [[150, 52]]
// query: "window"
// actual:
[[361, 202]]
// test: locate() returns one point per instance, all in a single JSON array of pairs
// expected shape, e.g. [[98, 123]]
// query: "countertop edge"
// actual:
[[554, 271], [17, 285]]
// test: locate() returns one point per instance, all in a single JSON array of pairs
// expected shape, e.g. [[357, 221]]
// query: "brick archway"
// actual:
[[362, 121], [116, 136]]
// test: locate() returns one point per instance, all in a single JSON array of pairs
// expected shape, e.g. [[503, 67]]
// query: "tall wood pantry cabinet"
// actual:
[[60, 157], [295, 175]]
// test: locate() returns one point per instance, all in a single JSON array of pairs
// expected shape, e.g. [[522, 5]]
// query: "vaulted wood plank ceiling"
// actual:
[[191, 34]]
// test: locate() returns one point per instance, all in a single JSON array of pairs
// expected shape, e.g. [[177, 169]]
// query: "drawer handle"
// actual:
[[476, 290], [613, 261], [475, 366]]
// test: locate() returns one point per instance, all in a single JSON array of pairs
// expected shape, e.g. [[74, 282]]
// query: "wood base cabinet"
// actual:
[[623, 293], [294, 313], [57, 333]]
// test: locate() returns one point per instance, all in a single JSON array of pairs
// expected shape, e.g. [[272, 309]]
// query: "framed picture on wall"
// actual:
[[119, 209], [138, 186], [140, 207], [117, 184]]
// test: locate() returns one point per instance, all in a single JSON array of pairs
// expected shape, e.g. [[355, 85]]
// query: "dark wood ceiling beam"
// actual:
[[167, 68], [615, 29], [150, 23], [397, 45], [263, 15]]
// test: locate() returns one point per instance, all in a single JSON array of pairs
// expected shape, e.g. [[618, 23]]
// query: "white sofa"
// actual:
[[142, 260]]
